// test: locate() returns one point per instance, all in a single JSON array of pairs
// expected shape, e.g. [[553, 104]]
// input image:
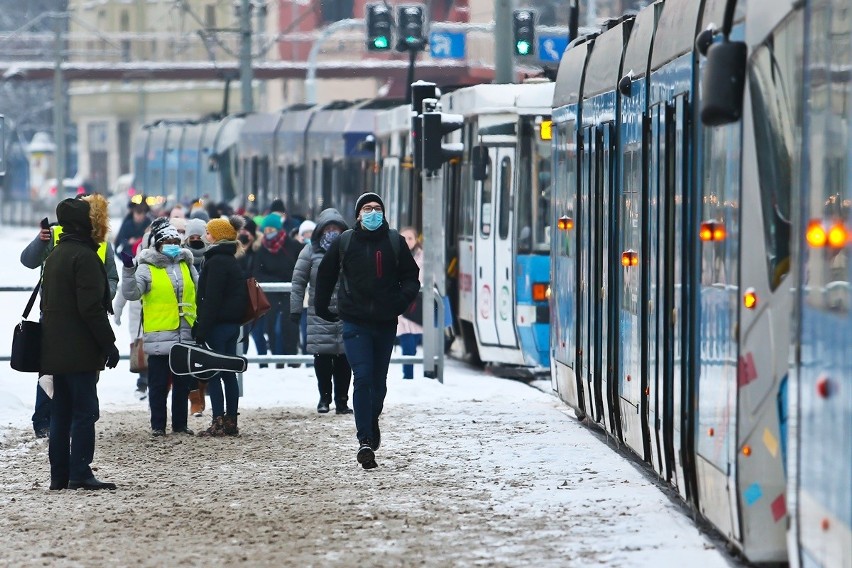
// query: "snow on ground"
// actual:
[[477, 471]]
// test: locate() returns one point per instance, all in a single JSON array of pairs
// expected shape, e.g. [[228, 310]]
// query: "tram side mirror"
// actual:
[[481, 161], [723, 83]]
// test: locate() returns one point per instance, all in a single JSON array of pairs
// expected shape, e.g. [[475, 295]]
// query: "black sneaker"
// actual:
[[322, 407], [370, 464], [158, 433], [365, 453], [42, 433], [343, 409], [377, 442], [184, 430]]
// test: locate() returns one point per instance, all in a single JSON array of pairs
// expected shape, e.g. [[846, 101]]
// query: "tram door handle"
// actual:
[[507, 273], [480, 272]]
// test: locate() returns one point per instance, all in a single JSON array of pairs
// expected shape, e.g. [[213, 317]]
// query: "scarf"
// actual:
[[274, 245]]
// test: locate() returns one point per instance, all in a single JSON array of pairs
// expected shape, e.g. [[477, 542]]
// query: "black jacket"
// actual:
[[221, 295], [375, 287], [76, 333]]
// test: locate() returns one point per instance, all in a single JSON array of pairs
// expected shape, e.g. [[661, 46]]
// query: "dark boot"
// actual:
[[217, 429], [230, 426]]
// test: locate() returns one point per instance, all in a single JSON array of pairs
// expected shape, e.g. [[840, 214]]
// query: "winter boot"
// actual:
[[230, 426], [217, 429]]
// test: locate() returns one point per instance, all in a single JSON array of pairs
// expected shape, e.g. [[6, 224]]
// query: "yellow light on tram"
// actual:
[[746, 450], [750, 299], [565, 223], [546, 131], [837, 236], [629, 258], [815, 234], [712, 231]]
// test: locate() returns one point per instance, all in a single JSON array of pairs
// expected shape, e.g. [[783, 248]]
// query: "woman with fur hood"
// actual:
[[165, 280], [222, 299]]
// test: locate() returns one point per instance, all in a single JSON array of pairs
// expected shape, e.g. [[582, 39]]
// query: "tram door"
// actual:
[[495, 305]]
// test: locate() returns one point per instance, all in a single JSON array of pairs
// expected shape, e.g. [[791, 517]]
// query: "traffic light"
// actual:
[[523, 31], [410, 22], [420, 91], [436, 125], [379, 24]]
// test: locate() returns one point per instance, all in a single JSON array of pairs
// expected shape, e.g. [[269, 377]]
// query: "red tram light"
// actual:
[[539, 291]]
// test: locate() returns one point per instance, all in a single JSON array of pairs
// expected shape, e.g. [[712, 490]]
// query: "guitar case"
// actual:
[[202, 363]]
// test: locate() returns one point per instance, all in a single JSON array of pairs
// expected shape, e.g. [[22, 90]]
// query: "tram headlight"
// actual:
[[712, 231], [837, 236], [565, 223], [815, 234], [629, 258]]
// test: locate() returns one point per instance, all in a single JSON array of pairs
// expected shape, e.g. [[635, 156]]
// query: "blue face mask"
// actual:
[[171, 250], [270, 235], [307, 241], [372, 220]]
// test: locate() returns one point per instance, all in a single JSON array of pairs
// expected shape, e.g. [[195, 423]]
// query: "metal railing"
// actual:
[[273, 287]]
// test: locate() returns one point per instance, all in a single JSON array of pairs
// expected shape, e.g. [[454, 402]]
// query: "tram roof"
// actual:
[[397, 119], [637, 56], [569, 77], [519, 98], [604, 68], [258, 129], [680, 19]]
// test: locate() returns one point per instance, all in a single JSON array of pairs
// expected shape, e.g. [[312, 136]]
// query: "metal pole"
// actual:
[[246, 72], [412, 57], [58, 104], [504, 71], [311, 76], [573, 20]]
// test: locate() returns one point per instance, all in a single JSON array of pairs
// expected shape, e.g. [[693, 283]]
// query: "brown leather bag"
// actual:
[[258, 304]]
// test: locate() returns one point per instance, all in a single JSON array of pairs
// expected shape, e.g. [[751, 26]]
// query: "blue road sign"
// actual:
[[550, 47], [446, 45]]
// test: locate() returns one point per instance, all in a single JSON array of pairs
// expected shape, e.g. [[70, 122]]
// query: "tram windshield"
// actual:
[[533, 192]]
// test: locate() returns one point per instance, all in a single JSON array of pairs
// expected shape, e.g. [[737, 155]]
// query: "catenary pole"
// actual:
[[246, 73], [503, 63], [58, 103]]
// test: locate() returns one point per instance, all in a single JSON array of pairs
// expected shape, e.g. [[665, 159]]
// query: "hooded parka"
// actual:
[[75, 301], [137, 283], [324, 337]]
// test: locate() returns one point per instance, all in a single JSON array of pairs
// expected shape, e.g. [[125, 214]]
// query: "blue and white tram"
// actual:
[[501, 193]]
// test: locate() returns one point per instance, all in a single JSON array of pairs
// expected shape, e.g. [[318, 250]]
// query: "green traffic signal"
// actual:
[[522, 47], [381, 42]]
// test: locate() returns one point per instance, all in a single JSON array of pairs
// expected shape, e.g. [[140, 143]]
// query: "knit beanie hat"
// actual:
[[161, 230], [307, 227], [179, 223], [277, 205], [365, 198], [272, 220], [195, 227], [198, 212], [225, 229]]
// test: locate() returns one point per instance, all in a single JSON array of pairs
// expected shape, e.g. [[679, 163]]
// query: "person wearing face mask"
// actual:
[[324, 338], [304, 234], [274, 261], [194, 242], [165, 279], [378, 281]]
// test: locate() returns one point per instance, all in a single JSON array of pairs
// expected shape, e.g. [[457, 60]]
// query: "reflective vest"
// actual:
[[160, 308], [57, 231]]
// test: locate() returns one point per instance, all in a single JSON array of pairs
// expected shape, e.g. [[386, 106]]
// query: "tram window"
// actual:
[[485, 207], [505, 197], [776, 86]]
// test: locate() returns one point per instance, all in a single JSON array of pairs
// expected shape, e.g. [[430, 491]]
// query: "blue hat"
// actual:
[[272, 220]]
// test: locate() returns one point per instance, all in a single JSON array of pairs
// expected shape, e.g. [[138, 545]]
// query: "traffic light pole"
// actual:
[[504, 71], [434, 284], [412, 58]]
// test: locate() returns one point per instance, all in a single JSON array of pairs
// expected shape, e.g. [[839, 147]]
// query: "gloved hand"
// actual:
[[328, 316], [196, 336], [126, 260], [296, 317], [112, 357]]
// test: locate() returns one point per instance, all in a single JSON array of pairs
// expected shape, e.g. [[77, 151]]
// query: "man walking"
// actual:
[[378, 281]]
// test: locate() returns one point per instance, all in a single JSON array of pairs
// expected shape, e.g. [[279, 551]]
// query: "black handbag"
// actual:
[[26, 341]]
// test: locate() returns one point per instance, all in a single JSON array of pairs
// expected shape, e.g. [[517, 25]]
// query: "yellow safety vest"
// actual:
[[160, 308], [57, 231]]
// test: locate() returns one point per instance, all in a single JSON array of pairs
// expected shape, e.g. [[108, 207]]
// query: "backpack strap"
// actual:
[[344, 238], [393, 234]]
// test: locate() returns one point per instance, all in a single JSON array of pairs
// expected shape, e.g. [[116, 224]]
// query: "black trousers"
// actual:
[[334, 367], [158, 392], [74, 411]]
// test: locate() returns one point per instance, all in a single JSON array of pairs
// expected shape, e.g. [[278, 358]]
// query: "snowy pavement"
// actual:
[[477, 471]]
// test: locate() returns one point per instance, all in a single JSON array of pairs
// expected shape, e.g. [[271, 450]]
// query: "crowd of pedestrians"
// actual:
[[183, 281]]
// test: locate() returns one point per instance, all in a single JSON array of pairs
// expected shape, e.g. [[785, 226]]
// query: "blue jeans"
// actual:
[[223, 339], [158, 393], [368, 349], [409, 342], [41, 413], [258, 333], [74, 411], [303, 327]]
